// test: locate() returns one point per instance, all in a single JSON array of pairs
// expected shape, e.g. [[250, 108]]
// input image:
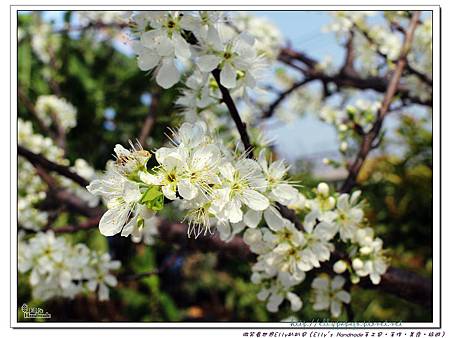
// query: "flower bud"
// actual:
[[343, 127], [365, 250], [343, 147], [357, 264], [323, 189], [354, 279], [340, 266], [331, 202]]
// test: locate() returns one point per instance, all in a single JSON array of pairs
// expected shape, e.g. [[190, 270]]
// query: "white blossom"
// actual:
[[51, 107], [162, 45], [121, 197], [57, 268], [329, 295]]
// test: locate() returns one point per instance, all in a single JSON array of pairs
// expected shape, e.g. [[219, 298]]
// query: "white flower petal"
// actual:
[[343, 296], [273, 219], [103, 292], [228, 76], [181, 46], [336, 308], [342, 202], [233, 211], [296, 302], [147, 61], [337, 282], [375, 278], [149, 178], [113, 220], [169, 191], [252, 218], [168, 75], [187, 190], [274, 302], [255, 200], [208, 63]]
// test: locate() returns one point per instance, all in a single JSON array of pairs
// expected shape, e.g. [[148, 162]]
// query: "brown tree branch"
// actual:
[[38, 159], [349, 62], [241, 127], [401, 283], [367, 143], [64, 196], [408, 67], [90, 223], [32, 110], [345, 79], [271, 110], [150, 120]]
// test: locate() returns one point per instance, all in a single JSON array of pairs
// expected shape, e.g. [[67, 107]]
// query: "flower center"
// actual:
[[171, 177]]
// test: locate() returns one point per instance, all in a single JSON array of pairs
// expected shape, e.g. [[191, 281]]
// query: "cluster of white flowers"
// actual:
[[105, 17], [31, 188], [60, 269], [37, 143], [369, 40], [222, 191], [344, 21], [43, 42], [269, 39], [31, 191], [286, 253], [362, 113], [51, 107], [217, 187], [168, 39]]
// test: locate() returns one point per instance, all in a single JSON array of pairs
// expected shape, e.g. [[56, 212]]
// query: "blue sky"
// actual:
[[303, 29]]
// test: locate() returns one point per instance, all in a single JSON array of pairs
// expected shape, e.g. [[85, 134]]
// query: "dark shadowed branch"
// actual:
[[38, 159], [241, 127]]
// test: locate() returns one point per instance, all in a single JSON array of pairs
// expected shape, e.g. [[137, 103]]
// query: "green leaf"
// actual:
[[153, 198], [152, 193]]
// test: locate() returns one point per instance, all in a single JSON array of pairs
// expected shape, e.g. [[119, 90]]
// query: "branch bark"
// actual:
[[32, 110], [150, 120], [271, 110], [344, 78], [408, 67], [401, 283], [241, 127], [367, 143], [90, 223], [37, 159]]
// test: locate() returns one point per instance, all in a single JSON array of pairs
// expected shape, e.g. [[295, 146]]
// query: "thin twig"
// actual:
[[408, 67], [271, 110]]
